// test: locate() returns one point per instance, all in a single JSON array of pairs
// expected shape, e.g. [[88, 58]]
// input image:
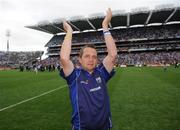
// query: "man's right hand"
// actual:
[[65, 51], [67, 27], [107, 19]]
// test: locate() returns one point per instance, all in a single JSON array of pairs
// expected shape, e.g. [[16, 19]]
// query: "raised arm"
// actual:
[[66, 50], [109, 60]]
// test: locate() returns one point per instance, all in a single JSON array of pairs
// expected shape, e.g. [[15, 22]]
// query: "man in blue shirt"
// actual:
[[87, 84]]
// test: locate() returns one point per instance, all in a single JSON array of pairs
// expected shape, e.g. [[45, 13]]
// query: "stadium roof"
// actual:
[[141, 16]]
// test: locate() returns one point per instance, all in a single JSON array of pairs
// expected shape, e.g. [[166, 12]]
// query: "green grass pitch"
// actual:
[[141, 99]]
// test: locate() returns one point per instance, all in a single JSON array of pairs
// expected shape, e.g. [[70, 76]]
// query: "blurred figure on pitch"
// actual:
[[36, 69]]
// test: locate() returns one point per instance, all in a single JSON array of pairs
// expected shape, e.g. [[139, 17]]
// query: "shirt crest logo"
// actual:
[[98, 79], [84, 82]]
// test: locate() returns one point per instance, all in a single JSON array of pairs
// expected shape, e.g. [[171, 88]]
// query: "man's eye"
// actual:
[[86, 56]]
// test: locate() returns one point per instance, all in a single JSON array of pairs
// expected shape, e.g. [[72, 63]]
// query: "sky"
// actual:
[[16, 14]]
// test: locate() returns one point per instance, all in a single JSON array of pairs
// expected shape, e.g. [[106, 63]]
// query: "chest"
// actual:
[[90, 83], [92, 92]]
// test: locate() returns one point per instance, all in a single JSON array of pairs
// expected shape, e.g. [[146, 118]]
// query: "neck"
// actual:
[[89, 71]]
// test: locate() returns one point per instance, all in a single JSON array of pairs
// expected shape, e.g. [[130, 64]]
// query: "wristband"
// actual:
[[106, 32]]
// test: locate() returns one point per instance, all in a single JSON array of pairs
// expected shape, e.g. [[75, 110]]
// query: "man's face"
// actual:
[[89, 59]]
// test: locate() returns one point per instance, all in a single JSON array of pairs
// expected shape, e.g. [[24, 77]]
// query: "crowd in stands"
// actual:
[[14, 59], [160, 32], [48, 64], [155, 32], [143, 58], [149, 58], [131, 53]]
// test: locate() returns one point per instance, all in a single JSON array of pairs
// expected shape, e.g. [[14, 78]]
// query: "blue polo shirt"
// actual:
[[89, 97]]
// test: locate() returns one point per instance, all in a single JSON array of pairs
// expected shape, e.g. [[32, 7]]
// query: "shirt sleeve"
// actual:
[[69, 79], [105, 73]]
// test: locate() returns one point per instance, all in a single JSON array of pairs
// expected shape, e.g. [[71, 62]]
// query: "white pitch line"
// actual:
[[11, 106]]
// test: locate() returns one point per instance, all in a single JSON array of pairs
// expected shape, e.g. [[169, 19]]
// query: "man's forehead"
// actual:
[[89, 50]]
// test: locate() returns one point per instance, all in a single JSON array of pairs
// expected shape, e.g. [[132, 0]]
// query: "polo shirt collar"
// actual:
[[86, 72]]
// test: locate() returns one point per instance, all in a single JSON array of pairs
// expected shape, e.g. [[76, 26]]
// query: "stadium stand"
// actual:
[[13, 59], [143, 37]]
